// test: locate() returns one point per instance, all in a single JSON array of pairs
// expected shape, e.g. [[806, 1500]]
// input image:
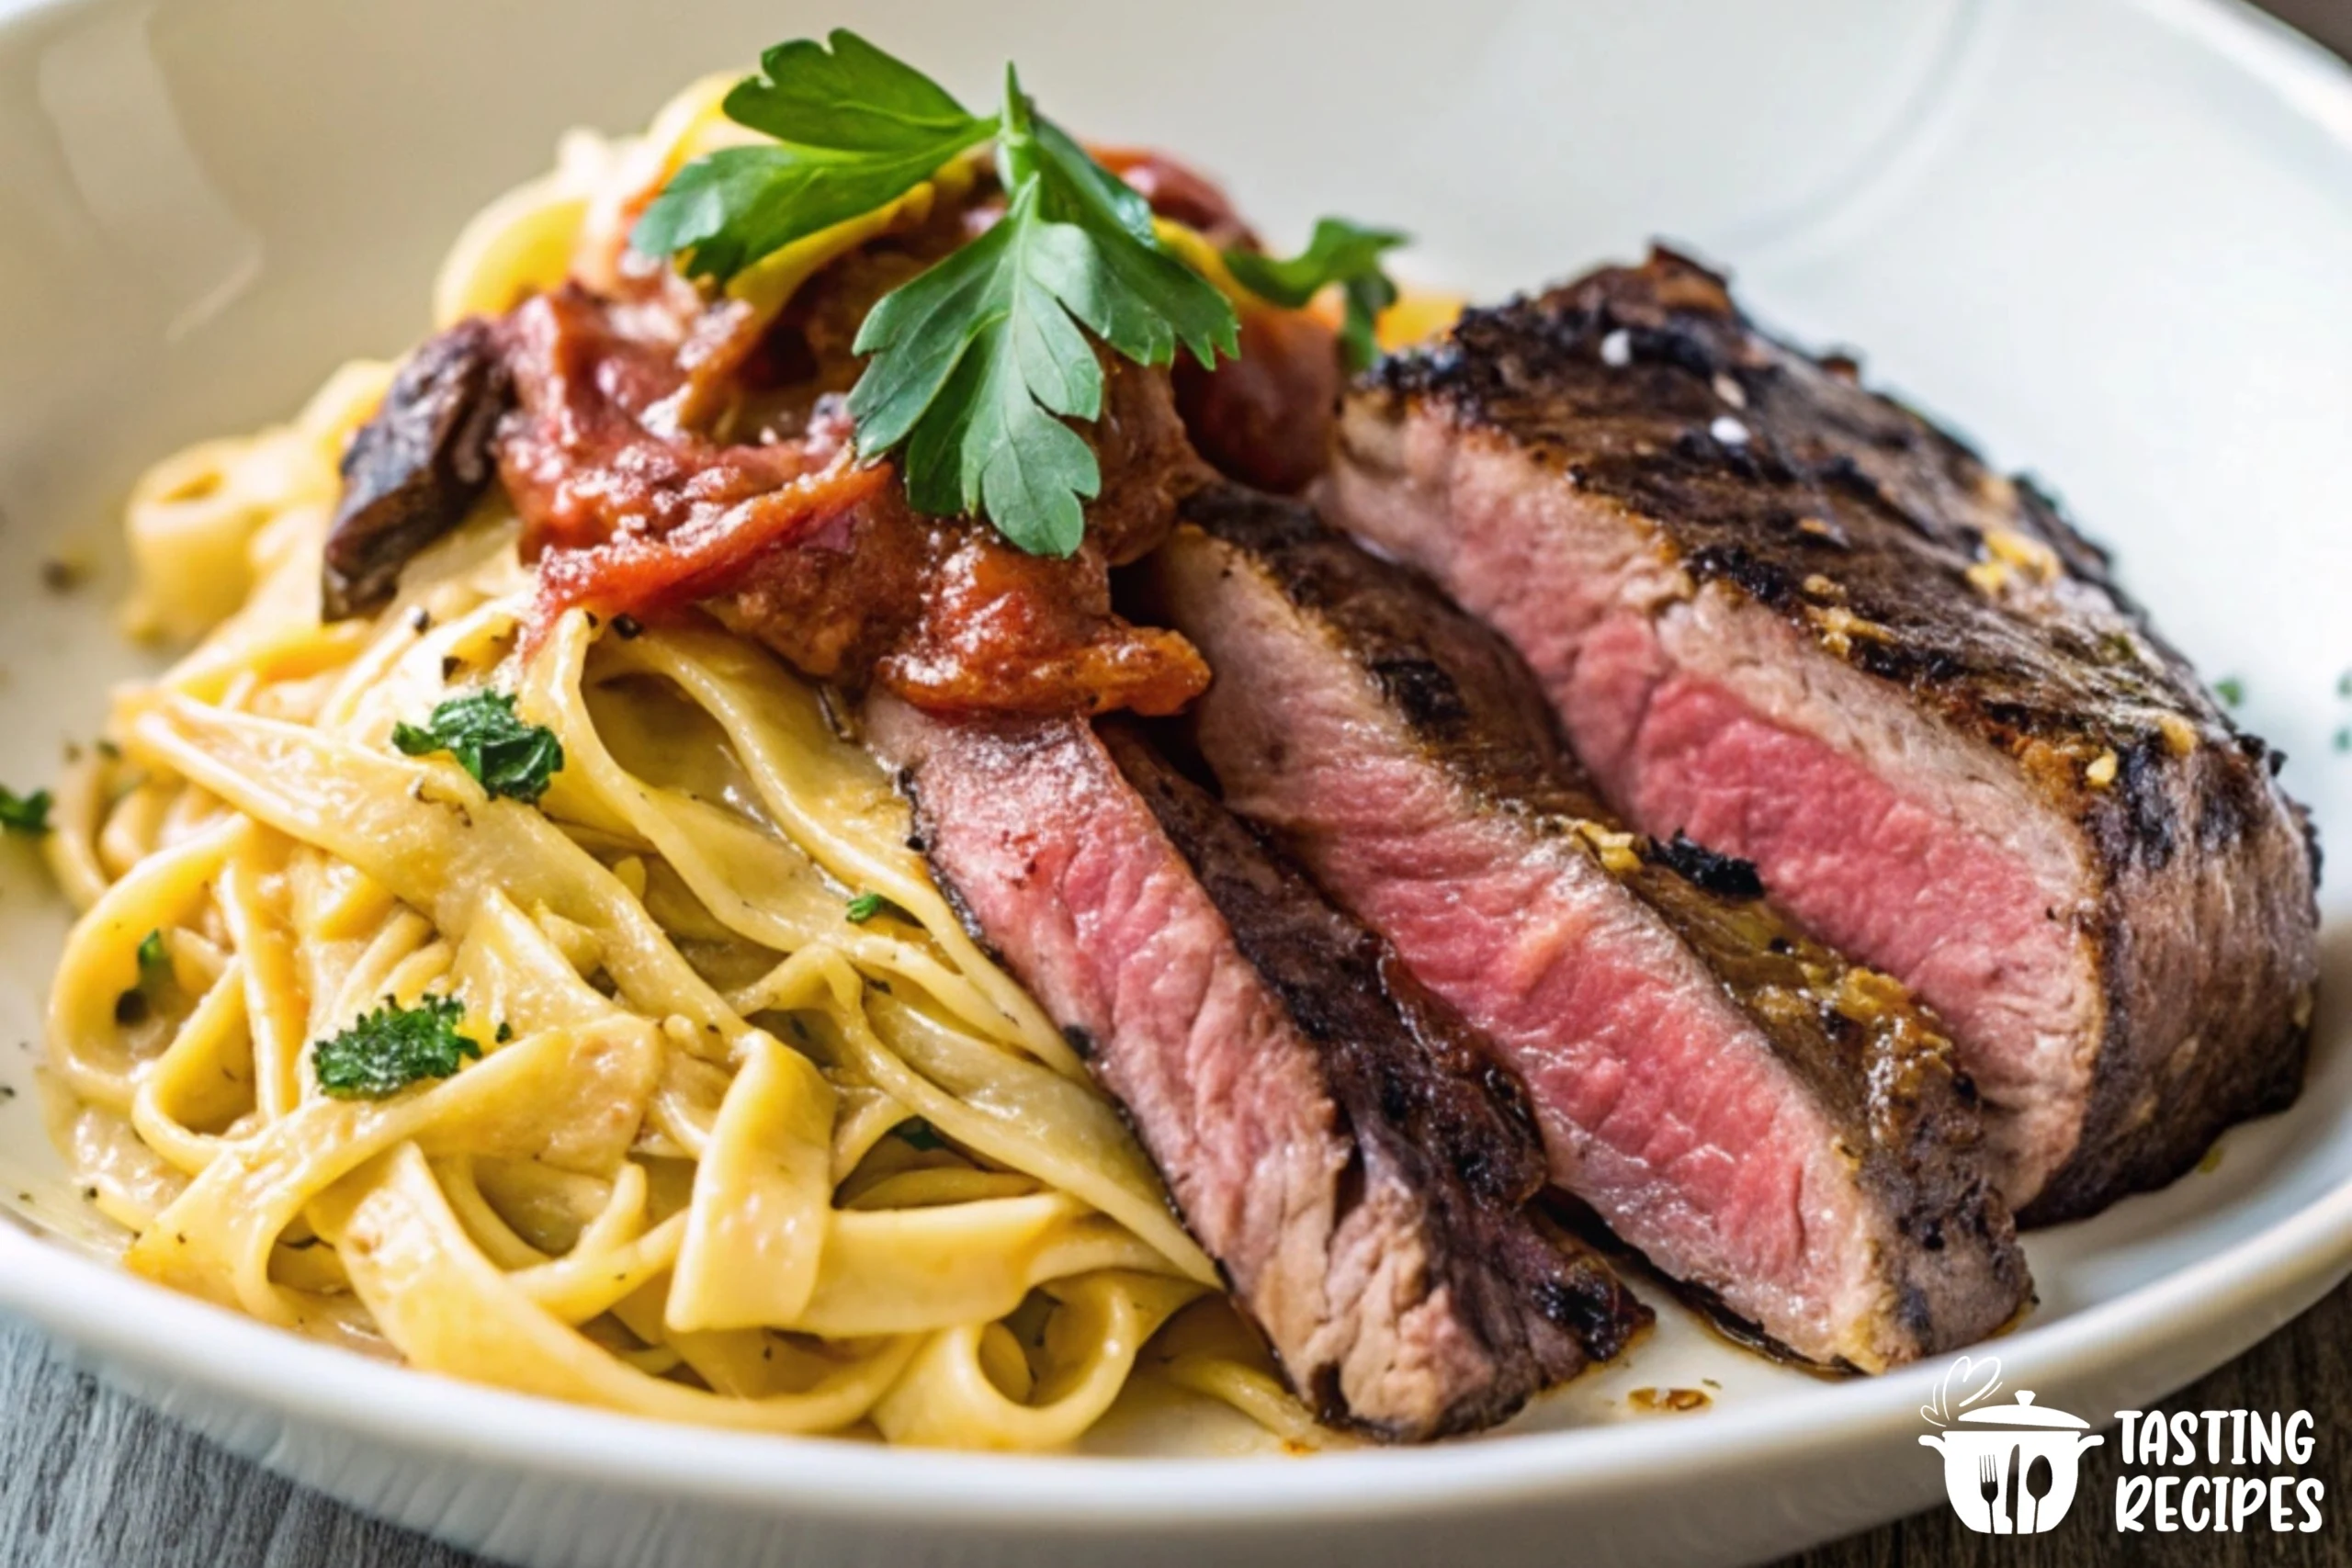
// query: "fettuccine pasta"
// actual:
[[726, 1156]]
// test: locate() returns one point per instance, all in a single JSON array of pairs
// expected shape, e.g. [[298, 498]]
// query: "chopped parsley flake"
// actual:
[[25, 814], [506, 756], [136, 1004], [393, 1047], [2230, 690], [865, 906]]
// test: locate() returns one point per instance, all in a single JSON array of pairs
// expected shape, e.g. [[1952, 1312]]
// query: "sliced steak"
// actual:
[[1783, 1129], [1356, 1162], [1796, 621]]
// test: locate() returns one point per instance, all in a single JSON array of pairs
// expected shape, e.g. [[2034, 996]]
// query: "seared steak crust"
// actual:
[[1352, 1158], [1963, 601], [1871, 1070]]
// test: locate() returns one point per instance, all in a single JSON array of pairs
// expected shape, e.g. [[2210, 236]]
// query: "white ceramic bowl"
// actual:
[[2110, 237]]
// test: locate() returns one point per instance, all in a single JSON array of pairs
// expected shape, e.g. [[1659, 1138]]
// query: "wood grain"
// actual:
[[90, 1480]]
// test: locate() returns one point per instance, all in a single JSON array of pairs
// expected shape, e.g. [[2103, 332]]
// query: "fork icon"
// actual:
[[1988, 1486]]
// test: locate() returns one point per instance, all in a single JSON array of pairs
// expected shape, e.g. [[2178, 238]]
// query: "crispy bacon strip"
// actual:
[[622, 519]]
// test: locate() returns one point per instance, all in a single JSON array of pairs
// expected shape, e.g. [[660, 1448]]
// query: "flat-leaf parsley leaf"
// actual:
[[854, 130], [979, 364], [506, 756], [1339, 251], [388, 1050], [979, 361]]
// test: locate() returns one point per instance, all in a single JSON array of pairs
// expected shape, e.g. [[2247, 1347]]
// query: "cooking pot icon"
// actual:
[[2013, 1471]]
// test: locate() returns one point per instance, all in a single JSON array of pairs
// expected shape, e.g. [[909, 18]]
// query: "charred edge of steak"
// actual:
[[1875, 1059], [1701, 868], [920, 840], [412, 472], [1567, 1211], [2246, 1043], [1417, 1085]]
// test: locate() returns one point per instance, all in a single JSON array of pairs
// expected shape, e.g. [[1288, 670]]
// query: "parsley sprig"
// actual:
[[979, 362], [506, 756], [388, 1050], [1338, 252]]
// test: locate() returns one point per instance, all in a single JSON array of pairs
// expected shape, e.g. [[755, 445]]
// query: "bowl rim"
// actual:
[[98, 1308]]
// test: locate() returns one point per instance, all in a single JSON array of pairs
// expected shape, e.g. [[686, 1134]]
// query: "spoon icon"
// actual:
[[2039, 1480]]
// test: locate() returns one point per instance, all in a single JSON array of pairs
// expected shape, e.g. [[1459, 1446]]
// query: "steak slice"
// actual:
[[1796, 621], [1763, 1120], [1355, 1160]]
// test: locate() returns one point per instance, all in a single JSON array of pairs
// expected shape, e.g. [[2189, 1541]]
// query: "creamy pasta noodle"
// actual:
[[726, 1155]]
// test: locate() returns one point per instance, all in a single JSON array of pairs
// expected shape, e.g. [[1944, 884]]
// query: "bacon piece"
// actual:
[[1178, 192], [623, 519], [795, 543]]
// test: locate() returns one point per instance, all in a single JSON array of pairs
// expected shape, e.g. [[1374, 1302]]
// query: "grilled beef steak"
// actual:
[[1796, 621], [1762, 1119], [1356, 1162]]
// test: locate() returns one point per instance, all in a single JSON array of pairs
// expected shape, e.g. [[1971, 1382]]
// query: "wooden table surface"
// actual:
[[90, 1480]]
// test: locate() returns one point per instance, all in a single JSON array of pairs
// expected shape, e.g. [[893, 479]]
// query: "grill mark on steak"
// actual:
[[1841, 647], [1401, 753], [1353, 1159]]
